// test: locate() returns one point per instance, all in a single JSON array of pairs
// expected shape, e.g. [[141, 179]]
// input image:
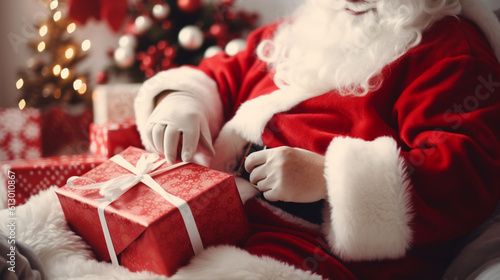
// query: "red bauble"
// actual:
[[219, 30], [102, 77], [189, 6]]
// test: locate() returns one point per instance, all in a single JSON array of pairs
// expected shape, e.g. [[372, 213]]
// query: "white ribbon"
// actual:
[[142, 172]]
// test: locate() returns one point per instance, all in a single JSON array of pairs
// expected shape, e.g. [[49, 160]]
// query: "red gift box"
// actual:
[[148, 232], [65, 130], [114, 102], [20, 134], [34, 175], [113, 137]]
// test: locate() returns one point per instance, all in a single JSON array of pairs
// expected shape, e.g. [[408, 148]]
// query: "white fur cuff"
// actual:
[[368, 192]]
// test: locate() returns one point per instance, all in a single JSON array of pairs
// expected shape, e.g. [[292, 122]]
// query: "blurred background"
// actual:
[[18, 17]]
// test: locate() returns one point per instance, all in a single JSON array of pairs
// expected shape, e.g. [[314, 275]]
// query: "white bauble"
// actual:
[[124, 57], [142, 24], [191, 37], [127, 41], [161, 11], [235, 46], [211, 51]]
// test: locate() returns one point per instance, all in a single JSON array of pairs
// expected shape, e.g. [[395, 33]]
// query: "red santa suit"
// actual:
[[411, 168]]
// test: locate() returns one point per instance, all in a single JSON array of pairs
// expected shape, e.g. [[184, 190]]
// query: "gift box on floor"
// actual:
[[114, 102], [157, 226], [20, 133], [34, 175], [113, 137]]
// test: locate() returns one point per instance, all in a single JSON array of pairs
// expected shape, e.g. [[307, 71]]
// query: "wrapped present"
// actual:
[[32, 176], [65, 130], [147, 215], [113, 137], [114, 102], [20, 134]]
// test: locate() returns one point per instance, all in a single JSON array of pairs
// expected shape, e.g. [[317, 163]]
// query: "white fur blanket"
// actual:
[[41, 225]]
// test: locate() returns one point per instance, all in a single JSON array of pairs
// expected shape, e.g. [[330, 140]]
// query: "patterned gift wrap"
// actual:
[[114, 102], [137, 210], [20, 134], [35, 175], [113, 137]]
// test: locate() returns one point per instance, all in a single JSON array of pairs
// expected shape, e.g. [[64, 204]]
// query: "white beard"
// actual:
[[326, 48]]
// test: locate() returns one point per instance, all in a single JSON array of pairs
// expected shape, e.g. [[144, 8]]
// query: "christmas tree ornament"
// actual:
[[211, 51], [162, 34], [127, 41], [235, 46], [189, 6], [102, 77], [191, 37], [160, 11], [142, 24], [219, 30], [124, 57]]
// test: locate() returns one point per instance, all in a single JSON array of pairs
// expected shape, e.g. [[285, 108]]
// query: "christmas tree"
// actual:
[[162, 34], [50, 77]]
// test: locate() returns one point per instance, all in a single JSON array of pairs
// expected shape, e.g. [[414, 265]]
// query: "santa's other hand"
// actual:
[[288, 174]]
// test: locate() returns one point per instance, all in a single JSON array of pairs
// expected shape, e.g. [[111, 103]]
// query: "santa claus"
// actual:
[[368, 132]]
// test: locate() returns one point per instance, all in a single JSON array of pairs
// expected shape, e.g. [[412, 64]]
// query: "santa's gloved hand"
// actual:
[[288, 174], [179, 113]]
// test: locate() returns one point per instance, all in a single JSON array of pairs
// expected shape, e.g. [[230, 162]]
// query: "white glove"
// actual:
[[179, 113], [288, 174]]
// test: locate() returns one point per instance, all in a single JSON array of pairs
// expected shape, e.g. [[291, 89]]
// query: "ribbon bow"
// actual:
[[142, 172]]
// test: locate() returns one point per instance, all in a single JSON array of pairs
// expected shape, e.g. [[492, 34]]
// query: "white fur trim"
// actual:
[[368, 192], [227, 262], [180, 79], [249, 122], [480, 13], [253, 115], [229, 148]]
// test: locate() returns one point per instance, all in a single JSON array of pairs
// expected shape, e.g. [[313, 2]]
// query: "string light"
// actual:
[[57, 15], [20, 83], [54, 4], [69, 53], [86, 45], [56, 70], [43, 30], [83, 89], [57, 93], [71, 28], [41, 46], [77, 84], [22, 104], [65, 73]]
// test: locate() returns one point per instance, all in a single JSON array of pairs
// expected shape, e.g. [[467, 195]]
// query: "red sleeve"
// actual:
[[449, 123], [232, 73]]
